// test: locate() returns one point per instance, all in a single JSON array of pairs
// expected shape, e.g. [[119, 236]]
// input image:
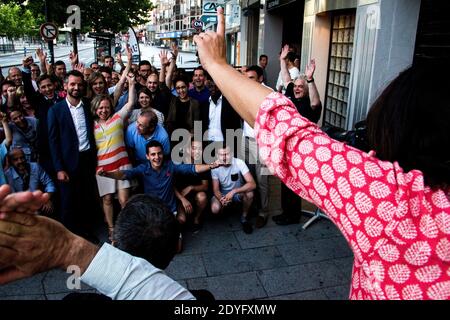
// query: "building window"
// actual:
[[339, 66]]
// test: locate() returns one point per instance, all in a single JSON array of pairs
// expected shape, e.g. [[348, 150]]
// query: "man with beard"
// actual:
[[28, 176], [200, 92], [73, 150], [145, 68]]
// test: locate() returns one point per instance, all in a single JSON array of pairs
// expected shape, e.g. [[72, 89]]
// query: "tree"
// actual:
[[97, 15], [17, 21]]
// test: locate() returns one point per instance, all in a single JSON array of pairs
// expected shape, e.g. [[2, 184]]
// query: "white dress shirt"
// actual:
[[215, 128], [79, 121], [121, 276]]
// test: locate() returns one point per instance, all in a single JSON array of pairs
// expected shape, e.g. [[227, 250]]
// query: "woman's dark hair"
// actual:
[[410, 122], [148, 93], [181, 78]]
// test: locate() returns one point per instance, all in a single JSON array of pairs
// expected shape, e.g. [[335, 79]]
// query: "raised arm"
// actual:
[[42, 56], [123, 78], [234, 86], [313, 93], [285, 75], [173, 63], [6, 129], [116, 175], [164, 63]]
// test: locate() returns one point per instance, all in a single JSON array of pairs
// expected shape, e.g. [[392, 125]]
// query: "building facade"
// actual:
[[173, 22], [359, 45]]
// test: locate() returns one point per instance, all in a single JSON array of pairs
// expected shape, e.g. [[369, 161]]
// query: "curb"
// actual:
[[56, 57]]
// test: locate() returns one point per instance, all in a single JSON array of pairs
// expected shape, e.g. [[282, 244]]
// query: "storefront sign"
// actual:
[[273, 4]]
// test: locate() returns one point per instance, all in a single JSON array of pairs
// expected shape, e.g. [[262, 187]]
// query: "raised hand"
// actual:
[[79, 67], [42, 56], [129, 55], [174, 48], [310, 69], [211, 45], [284, 52], [73, 58], [119, 58], [163, 58], [26, 62]]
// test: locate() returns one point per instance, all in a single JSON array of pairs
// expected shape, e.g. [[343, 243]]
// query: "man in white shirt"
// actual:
[[232, 182], [293, 71], [111, 271], [74, 155]]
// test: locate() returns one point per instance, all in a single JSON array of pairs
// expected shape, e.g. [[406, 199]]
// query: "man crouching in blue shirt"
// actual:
[[158, 175]]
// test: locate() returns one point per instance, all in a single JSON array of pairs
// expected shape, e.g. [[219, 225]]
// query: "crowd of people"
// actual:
[[104, 132], [392, 204]]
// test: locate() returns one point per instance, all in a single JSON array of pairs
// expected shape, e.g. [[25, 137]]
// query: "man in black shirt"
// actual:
[[303, 93]]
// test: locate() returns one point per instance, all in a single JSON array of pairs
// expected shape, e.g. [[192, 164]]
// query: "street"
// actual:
[[86, 54]]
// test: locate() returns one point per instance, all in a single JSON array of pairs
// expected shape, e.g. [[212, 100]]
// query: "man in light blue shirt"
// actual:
[[141, 132], [24, 176]]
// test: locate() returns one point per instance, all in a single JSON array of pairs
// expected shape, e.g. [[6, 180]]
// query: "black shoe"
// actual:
[[247, 227], [286, 220], [279, 217]]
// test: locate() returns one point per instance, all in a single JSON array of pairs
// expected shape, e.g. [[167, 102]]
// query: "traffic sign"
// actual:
[[210, 6], [48, 31], [207, 19], [197, 24]]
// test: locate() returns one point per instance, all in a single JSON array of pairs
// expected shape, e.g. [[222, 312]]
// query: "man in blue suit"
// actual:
[[73, 150]]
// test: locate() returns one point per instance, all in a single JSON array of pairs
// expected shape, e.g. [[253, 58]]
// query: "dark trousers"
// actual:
[[291, 203], [80, 207]]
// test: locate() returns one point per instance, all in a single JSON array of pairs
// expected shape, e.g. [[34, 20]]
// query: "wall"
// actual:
[[273, 28], [384, 46]]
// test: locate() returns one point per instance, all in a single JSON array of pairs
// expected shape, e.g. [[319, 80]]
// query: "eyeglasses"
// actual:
[[181, 88]]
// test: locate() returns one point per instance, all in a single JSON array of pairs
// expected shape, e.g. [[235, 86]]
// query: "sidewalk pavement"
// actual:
[[275, 262]]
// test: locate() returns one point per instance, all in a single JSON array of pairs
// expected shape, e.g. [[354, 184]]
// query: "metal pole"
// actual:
[[74, 42], [50, 43]]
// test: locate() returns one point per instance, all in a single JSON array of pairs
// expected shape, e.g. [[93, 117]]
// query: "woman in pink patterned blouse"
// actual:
[[393, 208]]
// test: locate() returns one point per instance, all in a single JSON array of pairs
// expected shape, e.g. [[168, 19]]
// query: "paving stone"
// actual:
[[307, 295], [315, 250], [301, 278], [269, 236], [56, 282], [320, 229], [219, 263], [225, 223], [239, 286], [186, 267], [345, 265], [338, 293], [209, 242], [29, 286]]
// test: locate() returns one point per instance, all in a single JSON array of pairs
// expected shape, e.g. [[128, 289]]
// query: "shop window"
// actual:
[[339, 66]]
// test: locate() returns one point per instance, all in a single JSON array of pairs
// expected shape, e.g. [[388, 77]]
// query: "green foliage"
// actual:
[[96, 15], [17, 21]]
